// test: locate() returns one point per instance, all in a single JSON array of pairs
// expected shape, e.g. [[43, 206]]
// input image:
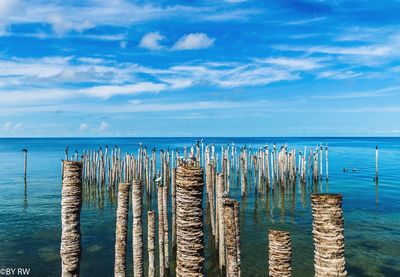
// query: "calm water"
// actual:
[[30, 225]]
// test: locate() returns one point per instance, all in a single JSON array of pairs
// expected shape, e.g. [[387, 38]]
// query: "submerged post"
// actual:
[[71, 201], [121, 230], [328, 235], [189, 220], [280, 254]]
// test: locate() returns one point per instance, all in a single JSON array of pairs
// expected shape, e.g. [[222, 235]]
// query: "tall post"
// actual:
[[160, 194], [71, 202], [137, 228], [280, 254], [376, 162], [328, 235], [151, 244], [25, 162], [121, 230], [189, 220]]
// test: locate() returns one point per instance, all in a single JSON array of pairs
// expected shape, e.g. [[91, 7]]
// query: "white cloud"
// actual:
[[305, 21], [294, 63], [6, 6], [193, 41], [107, 91], [104, 126], [11, 127], [152, 41], [83, 127]]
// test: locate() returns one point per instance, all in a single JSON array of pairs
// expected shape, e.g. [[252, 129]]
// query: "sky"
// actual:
[[199, 68]]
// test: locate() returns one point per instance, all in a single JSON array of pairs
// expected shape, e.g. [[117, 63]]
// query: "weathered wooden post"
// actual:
[[221, 225], [121, 230], [165, 221], [151, 243], [236, 213], [160, 194], [137, 228], [280, 254], [173, 193], [189, 221], [326, 162], [376, 162], [328, 235], [25, 162], [232, 267], [71, 201]]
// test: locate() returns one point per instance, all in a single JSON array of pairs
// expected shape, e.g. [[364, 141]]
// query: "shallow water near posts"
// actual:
[[30, 216]]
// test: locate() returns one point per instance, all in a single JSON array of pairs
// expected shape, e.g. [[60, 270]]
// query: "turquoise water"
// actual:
[[30, 225]]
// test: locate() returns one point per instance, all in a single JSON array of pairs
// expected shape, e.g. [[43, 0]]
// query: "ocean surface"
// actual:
[[30, 225]]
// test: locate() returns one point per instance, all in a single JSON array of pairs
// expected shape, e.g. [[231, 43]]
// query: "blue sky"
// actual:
[[199, 68]]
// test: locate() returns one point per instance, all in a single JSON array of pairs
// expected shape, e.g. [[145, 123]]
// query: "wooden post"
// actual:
[[232, 267], [376, 162], [326, 162], [160, 194], [221, 225], [121, 230], [236, 213], [328, 235], [189, 221], [25, 162], [280, 254], [151, 244], [137, 228], [165, 221], [71, 201], [173, 192]]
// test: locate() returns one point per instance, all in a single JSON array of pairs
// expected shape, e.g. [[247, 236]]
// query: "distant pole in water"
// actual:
[[376, 162], [71, 202], [121, 230], [326, 162], [280, 254], [151, 244], [328, 235], [25, 162], [189, 220]]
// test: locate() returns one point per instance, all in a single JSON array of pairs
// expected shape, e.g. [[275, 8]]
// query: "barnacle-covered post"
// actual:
[[121, 229], [189, 220], [137, 228], [280, 254], [71, 202], [151, 243], [232, 266], [328, 235]]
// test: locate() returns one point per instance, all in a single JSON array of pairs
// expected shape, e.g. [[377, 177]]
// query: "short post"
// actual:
[[328, 235], [280, 254], [189, 221], [71, 202]]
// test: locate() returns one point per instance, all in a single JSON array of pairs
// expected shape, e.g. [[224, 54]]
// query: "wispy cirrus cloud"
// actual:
[[65, 18]]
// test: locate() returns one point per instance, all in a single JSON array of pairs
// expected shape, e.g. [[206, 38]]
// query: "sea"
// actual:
[[30, 212]]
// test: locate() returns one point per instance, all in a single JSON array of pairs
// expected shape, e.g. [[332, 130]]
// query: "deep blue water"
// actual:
[[30, 225]]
